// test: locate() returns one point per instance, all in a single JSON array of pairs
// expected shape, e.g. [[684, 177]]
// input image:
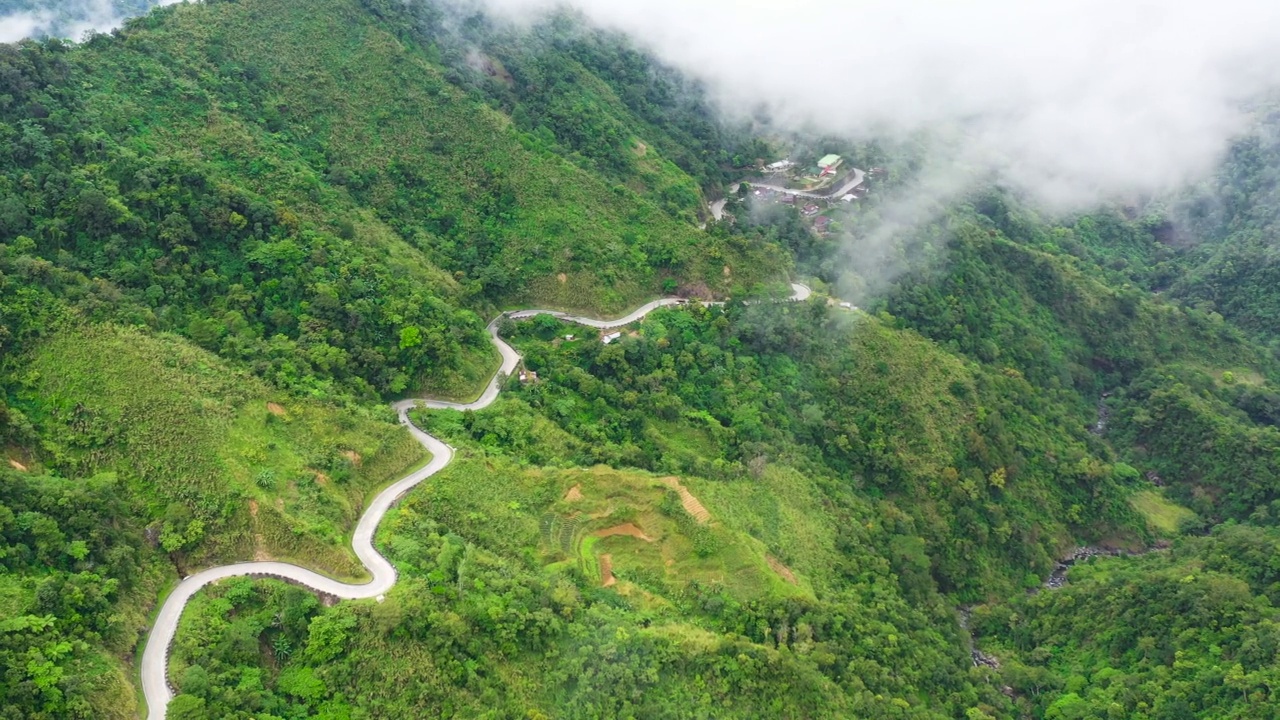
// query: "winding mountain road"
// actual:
[[155, 656]]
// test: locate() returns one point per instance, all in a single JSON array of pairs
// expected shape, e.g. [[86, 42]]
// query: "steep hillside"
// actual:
[[232, 469], [1185, 633], [233, 230], [227, 233], [811, 477], [336, 196], [1228, 230]]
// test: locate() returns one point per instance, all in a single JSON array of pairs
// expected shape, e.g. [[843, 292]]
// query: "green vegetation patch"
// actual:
[[1183, 633], [229, 469], [76, 577], [655, 545], [1163, 515]]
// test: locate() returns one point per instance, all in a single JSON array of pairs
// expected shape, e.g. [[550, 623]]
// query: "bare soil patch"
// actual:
[[260, 553], [574, 494], [17, 465], [275, 409], [562, 278], [322, 480], [353, 456], [493, 68], [628, 529], [641, 149], [697, 290], [606, 571], [781, 569], [690, 503]]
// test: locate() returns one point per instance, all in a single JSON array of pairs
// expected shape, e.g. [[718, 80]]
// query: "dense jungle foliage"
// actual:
[[231, 231], [1185, 633], [320, 230], [213, 267]]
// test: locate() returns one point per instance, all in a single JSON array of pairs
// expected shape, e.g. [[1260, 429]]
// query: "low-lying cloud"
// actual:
[[1070, 101], [65, 19], [69, 19]]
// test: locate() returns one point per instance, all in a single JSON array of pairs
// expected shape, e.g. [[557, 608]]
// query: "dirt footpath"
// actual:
[[690, 503], [606, 571], [628, 529], [781, 569]]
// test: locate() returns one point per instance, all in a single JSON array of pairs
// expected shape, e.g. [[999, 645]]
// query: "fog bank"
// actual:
[[1071, 102], [70, 19]]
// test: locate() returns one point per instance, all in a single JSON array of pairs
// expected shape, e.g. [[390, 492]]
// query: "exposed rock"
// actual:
[[981, 659], [1104, 416]]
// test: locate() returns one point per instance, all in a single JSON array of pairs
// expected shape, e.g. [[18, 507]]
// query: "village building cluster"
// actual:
[[814, 188]]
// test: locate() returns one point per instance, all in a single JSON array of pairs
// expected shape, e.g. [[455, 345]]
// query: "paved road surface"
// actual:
[[852, 183], [717, 209], [155, 656]]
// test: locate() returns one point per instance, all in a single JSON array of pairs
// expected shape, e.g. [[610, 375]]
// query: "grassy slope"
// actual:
[[500, 504], [1162, 515], [185, 429], [506, 520], [508, 509]]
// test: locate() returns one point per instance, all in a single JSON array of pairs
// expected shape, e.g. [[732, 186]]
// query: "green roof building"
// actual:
[[829, 161]]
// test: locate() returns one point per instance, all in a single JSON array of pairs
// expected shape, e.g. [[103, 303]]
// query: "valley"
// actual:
[[408, 358]]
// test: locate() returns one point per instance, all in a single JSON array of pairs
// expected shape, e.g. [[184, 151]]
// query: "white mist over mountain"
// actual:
[[1072, 102], [70, 19]]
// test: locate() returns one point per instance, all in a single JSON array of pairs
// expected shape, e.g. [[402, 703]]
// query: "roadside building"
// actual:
[[822, 224], [810, 210], [789, 199], [829, 165], [608, 339]]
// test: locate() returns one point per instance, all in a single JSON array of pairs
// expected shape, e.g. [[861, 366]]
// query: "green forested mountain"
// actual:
[[215, 264], [231, 232], [1231, 267]]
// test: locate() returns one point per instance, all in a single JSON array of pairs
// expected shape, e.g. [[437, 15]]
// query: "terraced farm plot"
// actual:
[[577, 518]]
